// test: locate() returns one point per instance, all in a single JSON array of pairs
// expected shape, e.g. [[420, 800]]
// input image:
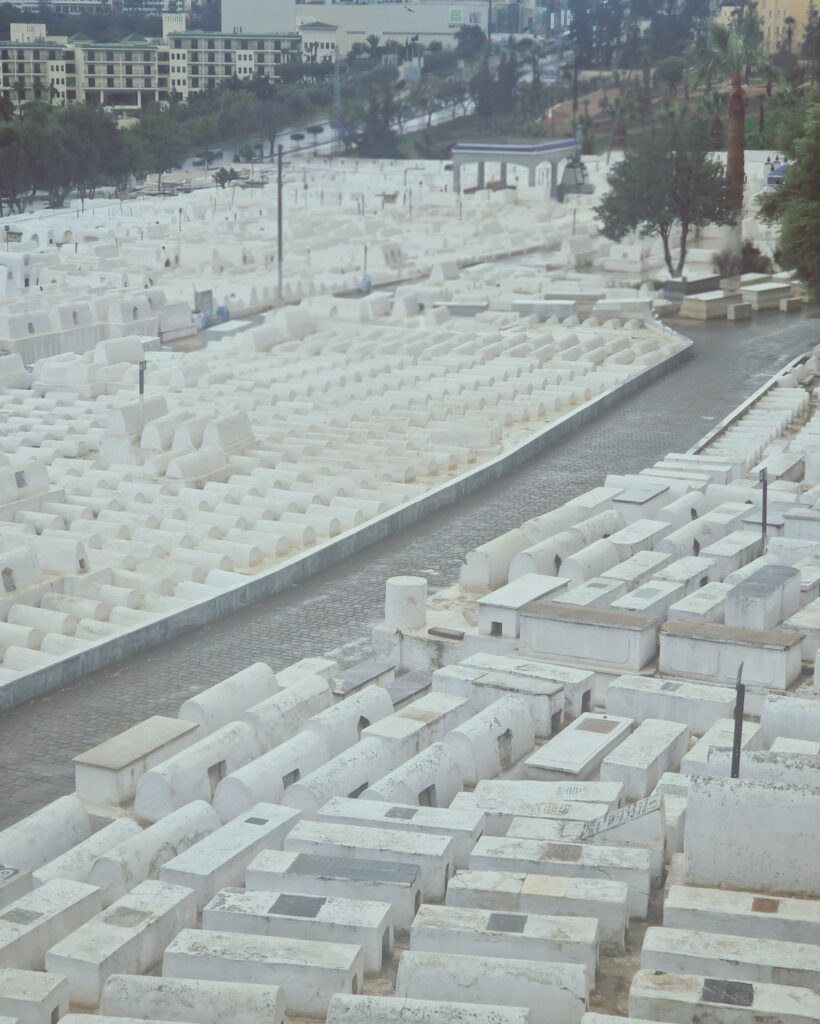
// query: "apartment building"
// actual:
[[200, 60], [136, 71]]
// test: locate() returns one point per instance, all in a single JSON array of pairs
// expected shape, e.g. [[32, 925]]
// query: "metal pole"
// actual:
[[740, 696], [279, 220], [143, 365], [763, 477]]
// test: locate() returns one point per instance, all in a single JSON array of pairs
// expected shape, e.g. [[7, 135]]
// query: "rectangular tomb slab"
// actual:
[[697, 705], [13, 884], [684, 998], [393, 1010], [619, 640], [553, 895], [463, 827], [576, 860], [109, 772], [220, 858], [576, 753], [432, 854], [32, 997], [548, 690], [498, 612], [474, 931], [501, 800], [151, 997], [395, 882], [551, 992], [364, 923], [309, 973], [655, 747], [741, 913], [713, 652], [128, 937], [731, 957], [32, 924], [420, 723]]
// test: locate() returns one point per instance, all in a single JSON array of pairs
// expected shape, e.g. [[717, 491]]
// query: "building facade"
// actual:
[[135, 72]]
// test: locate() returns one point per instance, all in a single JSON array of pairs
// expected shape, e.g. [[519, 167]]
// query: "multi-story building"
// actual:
[[35, 67], [136, 71], [200, 60], [783, 22]]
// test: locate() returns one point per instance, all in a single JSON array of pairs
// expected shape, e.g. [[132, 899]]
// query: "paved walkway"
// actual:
[[333, 611]]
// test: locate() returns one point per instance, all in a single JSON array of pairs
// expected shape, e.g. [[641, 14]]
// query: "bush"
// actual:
[[752, 260]]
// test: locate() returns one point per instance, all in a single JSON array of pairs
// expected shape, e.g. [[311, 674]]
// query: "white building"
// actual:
[[425, 22]]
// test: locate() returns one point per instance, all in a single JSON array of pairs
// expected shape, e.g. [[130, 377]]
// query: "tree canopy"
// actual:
[[667, 181], [795, 204]]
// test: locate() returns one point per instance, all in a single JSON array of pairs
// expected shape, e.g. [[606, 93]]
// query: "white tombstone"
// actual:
[[180, 999], [309, 973], [551, 992], [220, 858], [128, 937], [37, 920], [32, 997]]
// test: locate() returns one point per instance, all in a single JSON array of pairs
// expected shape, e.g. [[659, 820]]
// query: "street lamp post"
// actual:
[[279, 220]]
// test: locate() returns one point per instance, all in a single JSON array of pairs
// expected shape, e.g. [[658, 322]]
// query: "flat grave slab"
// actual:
[[463, 827], [576, 753], [519, 893], [550, 991], [732, 957], [33, 997], [129, 937], [363, 923], [433, 854], [576, 860], [395, 882], [220, 858], [474, 931], [687, 997], [309, 973]]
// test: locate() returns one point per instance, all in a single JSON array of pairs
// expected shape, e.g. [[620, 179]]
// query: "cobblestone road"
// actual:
[[334, 610]]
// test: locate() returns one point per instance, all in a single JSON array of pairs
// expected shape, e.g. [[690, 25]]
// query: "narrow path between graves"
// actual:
[[334, 610]]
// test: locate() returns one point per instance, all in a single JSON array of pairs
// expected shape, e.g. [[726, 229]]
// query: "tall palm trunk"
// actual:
[[736, 149]]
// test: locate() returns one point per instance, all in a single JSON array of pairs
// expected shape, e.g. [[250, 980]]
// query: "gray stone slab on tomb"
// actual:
[[405, 687], [354, 678]]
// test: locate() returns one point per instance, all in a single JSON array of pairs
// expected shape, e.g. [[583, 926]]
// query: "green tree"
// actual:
[[315, 130], [733, 53], [470, 40], [670, 71], [795, 204], [15, 167], [667, 181], [163, 142]]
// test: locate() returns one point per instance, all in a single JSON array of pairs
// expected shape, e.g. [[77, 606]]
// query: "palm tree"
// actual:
[[790, 23], [733, 53]]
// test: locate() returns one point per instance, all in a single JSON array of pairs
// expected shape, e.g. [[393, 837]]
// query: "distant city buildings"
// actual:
[[136, 71]]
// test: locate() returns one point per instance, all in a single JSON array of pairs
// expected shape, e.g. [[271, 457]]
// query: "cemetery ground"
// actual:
[[334, 611]]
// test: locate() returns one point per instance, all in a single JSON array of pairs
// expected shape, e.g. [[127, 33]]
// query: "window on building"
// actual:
[[91, 81], [211, 44], [260, 45], [109, 54]]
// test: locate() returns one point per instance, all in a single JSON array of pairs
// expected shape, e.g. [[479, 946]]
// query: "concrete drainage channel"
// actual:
[[123, 646]]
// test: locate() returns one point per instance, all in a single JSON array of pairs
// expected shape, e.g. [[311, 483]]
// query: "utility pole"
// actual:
[[279, 221], [336, 115]]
